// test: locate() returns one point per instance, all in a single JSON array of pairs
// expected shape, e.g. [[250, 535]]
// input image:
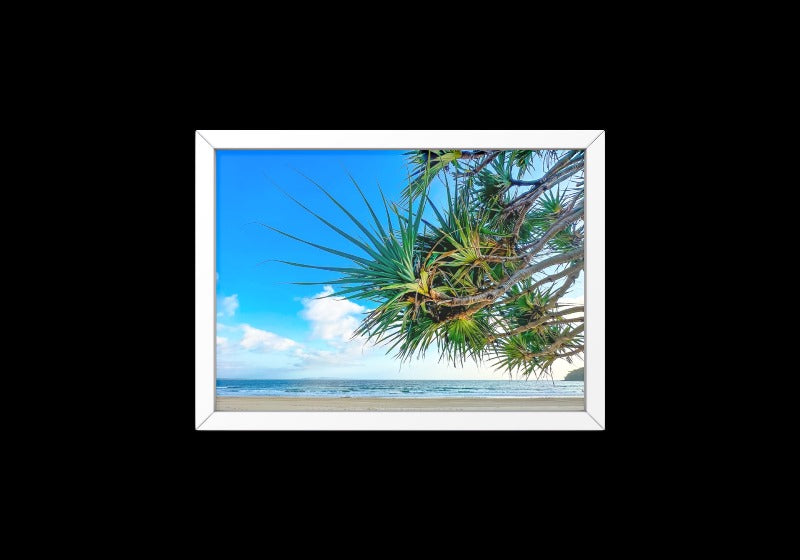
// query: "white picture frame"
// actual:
[[206, 144]]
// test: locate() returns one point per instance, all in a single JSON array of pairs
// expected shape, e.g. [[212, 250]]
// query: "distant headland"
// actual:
[[575, 375]]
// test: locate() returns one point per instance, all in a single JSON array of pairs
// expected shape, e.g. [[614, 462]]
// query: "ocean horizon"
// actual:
[[399, 388]]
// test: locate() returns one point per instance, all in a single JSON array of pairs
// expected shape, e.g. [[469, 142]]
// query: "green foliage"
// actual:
[[426, 164], [464, 278]]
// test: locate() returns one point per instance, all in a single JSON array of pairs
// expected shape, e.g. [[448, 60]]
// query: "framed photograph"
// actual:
[[400, 279]]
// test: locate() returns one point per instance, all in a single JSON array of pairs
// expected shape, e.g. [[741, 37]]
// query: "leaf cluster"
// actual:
[[463, 278]]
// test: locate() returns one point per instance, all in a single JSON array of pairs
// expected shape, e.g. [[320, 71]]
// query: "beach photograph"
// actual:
[[389, 280]]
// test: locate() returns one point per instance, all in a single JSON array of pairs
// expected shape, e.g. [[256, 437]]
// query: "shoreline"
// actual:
[[364, 404]]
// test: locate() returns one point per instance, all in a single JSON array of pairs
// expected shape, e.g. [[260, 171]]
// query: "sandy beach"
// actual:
[[288, 404]]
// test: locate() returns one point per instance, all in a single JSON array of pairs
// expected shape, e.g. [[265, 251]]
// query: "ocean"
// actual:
[[397, 388]]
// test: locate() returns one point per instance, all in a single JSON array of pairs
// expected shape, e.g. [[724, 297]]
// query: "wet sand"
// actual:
[[288, 404]]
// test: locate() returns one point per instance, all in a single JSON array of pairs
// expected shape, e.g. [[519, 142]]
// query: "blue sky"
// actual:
[[269, 328]]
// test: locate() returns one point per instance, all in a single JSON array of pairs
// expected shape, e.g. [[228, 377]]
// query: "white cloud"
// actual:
[[263, 341], [562, 367], [229, 305], [224, 345], [341, 355], [333, 318]]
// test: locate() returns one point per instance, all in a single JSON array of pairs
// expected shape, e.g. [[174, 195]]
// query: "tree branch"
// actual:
[[551, 278], [541, 321], [568, 172], [544, 183], [553, 297], [475, 154], [557, 343], [578, 350], [477, 170], [494, 293], [564, 287], [564, 320], [552, 171], [495, 258], [561, 223]]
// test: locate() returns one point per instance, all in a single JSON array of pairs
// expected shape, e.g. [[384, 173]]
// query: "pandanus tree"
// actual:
[[482, 278]]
